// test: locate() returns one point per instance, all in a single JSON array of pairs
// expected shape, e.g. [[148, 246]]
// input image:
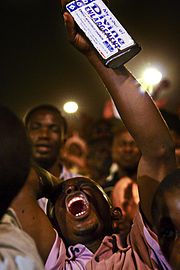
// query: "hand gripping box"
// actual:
[[114, 45]]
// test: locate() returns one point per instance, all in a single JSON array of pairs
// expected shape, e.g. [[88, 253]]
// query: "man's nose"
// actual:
[[128, 148], [44, 132]]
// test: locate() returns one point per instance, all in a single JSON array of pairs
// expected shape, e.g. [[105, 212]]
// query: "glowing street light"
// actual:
[[70, 107], [151, 77]]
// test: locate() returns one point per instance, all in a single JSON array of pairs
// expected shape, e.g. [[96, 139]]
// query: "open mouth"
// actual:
[[42, 147], [77, 205]]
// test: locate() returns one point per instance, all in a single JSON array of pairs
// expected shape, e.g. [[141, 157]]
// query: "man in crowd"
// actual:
[[125, 157], [17, 248], [157, 154], [47, 132]]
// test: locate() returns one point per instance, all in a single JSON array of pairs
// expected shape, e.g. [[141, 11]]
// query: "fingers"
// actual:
[[70, 26], [75, 35]]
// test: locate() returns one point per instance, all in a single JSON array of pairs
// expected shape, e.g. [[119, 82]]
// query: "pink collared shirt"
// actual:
[[77, 258]]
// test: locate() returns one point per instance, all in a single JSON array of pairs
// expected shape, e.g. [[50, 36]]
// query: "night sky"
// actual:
[[39, 66]]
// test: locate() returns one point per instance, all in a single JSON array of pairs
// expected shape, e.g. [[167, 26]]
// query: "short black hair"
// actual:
[[48, 107], [170, 182], [14, 157]]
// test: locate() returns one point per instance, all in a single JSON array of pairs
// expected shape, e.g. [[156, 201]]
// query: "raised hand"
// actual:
[[75, 36]]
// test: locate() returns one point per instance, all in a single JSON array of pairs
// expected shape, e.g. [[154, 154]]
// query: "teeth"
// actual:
[[74, 200], [80, 199], [80, 214]]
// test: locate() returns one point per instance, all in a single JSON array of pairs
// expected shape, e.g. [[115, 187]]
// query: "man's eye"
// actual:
[[55, 129], [34, 127]]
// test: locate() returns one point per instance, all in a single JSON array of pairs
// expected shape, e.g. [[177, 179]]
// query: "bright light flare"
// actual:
[[70, 107], [152, 76]]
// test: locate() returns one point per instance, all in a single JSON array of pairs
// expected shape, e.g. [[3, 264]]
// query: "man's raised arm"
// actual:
[[139, 114], [32, 218]]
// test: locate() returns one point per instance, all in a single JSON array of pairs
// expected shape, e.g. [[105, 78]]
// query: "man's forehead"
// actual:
[[82, 182], [42, 112], [45, 115], [78, 181]]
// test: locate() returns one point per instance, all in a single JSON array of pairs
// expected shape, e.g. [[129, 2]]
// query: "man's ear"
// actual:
[[121, 225], [116, 215]]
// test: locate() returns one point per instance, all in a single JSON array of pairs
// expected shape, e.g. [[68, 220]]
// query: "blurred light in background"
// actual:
[[70, 107], [150, 77]]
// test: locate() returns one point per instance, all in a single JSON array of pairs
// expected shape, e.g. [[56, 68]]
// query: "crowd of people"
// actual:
[[109, 201]]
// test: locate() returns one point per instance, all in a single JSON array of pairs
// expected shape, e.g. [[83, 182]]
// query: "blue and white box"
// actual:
[[111, 40]]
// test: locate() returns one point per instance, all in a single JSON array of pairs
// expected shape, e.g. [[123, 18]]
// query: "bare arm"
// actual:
[[146, 125], [140, 116], [33, 220]]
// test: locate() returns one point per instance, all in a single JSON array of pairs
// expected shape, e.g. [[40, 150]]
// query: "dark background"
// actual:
[[39, 66]]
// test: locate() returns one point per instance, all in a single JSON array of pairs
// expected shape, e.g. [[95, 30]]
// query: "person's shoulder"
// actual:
[[8, 261], [17, 248]]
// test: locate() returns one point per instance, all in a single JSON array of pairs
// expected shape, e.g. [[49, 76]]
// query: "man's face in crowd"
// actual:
[[168, 228], [125, 151], [46, 134], [82, 212]]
